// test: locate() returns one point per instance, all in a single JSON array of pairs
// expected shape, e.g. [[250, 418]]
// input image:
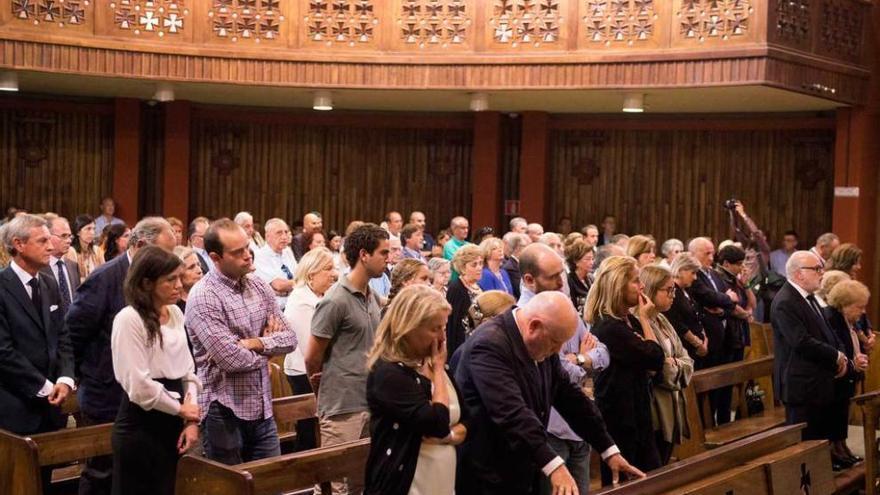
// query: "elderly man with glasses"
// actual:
[[808, 355]]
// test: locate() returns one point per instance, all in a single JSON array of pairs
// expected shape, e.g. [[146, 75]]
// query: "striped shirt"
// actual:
[[220, 312]]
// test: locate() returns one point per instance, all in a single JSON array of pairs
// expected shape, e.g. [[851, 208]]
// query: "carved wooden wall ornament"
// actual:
[[626, 21], [426, 23], [793, 20], [350, 22], [841, 29], [714, 19], [525, 22], [58, 12], [159, 17], [255, 20]]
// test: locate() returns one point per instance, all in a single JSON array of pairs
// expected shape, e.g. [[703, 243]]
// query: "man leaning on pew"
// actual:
[[36, 358], [807, 354]]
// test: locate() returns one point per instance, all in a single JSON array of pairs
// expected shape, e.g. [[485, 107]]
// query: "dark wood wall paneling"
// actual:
[[55, 156], [511, 143], [672, 183], [359, 170], [152, 159]]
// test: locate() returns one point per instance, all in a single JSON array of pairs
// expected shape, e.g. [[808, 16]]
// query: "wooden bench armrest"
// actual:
[[73, 444], [731, 374], [745, 427], [198, 475]]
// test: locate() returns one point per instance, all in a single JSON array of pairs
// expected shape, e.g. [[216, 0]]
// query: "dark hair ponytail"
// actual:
[[150, 263]]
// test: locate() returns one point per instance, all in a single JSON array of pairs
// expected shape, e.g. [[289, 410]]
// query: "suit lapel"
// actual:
[[16, 289]]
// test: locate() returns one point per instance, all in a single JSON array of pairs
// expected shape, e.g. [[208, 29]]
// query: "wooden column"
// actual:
[[126, 158], [486, 171], [175, 173], [534, 171]]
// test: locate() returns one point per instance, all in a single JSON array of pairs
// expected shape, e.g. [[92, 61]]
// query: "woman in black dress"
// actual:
[[579, 256], [846, 304], [623, 389], [462, 294], [685, 311]]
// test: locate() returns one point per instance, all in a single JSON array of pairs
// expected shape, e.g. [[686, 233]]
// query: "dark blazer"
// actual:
[[90, 322], [623, 389], [845, 386], [401, 413], [511, 266], [460, 324], [34, 347], [578, 290], [72, 275], [707, 297], [684, 315], [508, 397], [805, 351], [738, 335]]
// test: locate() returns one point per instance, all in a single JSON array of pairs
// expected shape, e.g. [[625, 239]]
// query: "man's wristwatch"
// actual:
[[581, 360]]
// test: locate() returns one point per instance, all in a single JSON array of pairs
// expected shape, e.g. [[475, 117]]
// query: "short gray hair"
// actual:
[[147, 230], [516, 241], [796, 261], [272, 223], [242, 217], [51, 220], [827, 239], [436, 263], [517, 221], [311, 263], [20, 228], [183, 252], [671, 244], [685, 262]]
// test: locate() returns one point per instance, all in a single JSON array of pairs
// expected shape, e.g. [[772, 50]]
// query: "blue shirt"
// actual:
[[599, 356], [101, 223], [490, 281], [381, 285], [778, 259]]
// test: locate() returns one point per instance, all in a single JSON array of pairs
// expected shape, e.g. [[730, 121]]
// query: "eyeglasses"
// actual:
[[817, 268], [670, 291]]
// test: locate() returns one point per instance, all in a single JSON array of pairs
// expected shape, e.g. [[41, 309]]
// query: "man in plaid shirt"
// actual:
[[235, 326]]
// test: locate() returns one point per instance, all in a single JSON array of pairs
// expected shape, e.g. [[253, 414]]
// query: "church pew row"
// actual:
[[285, 473], [21, 457], [869, 404], [768, 463]]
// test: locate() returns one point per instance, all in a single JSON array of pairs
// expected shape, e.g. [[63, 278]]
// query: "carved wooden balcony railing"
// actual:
[[813, 46]]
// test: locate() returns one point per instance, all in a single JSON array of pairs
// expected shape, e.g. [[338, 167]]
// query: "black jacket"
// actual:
[[511, 266], [738, 335], [90, 322], [401, 413], [708, 298], [460, 324], [34, 347], [508, 397], [845, 386], [623, 389], [72, 277], [578, 291], [684, 315], [805, 351]]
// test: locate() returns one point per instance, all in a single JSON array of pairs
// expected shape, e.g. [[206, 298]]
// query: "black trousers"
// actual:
[[820, 424], [306, 437], [145, 448], [721, 399]]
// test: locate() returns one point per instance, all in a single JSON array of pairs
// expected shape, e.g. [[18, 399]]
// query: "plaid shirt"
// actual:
[[220, 312]]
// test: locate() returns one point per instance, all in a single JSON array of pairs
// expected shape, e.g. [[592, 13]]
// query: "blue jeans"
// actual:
[[577, 459], [231, 440]]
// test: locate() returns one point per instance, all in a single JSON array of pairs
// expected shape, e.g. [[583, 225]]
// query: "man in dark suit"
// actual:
[[90, 321], [64, 271], [510, 375], [36, 360], [514, 243], [807, 354]]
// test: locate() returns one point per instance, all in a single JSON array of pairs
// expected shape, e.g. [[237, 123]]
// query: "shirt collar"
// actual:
[[53, 261], [236, 285], [345, 282], [800, 289], [24, 276]]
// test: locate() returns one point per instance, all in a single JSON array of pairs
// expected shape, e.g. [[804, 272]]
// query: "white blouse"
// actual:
[[136, 364], [299, 311]]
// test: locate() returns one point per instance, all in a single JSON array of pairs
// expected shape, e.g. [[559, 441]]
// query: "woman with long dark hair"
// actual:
[[114, 240], [159, 414], [85, 248]]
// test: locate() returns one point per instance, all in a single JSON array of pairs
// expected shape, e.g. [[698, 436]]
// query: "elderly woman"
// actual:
[[623, 389], [847, 301], [85, 249], [493, 277], [468, 262], [685, 312], [669, 409], [642, 247], [192, 272], [415, 415], [670, 250], [579, 257], [848, 258], [441, 271], [315, 274]]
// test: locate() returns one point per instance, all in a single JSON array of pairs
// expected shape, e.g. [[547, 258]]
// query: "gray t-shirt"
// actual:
[[349, 319]]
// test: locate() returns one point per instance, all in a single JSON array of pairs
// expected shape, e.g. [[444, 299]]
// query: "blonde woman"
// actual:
[[642, 248], [622, 389], [668, 408], [415, 416], [406, 272], [493, 277], [468, 263], [315, 274], [489, 304]]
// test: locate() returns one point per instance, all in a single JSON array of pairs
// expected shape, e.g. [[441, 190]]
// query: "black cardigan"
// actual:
[[401, 413], [459, 325]]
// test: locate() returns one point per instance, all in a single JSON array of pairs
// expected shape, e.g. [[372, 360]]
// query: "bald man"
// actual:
[[312, 222], [509, 375]]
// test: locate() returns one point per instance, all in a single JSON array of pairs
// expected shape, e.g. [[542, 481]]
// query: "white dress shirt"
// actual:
[[299, 311], [25, 278], [136, 364], [53, 263], [268, 267]]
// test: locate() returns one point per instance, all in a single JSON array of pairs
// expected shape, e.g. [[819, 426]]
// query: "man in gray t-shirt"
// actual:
[[342, 333]]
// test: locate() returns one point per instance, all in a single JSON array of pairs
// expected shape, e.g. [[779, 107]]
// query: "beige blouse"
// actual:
[[669, 409]]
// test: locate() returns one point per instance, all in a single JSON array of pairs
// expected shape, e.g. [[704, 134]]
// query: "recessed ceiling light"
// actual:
[[634, 103], [323, 101]]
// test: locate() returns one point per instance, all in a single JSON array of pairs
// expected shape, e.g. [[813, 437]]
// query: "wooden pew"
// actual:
[[736, 375], [298, 471], [21, 457], [725, 467], [869, 404]]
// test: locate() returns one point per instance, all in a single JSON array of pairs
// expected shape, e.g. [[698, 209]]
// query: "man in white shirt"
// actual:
[[196, 235], [274, 263], [64, 271], [395, 223]]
